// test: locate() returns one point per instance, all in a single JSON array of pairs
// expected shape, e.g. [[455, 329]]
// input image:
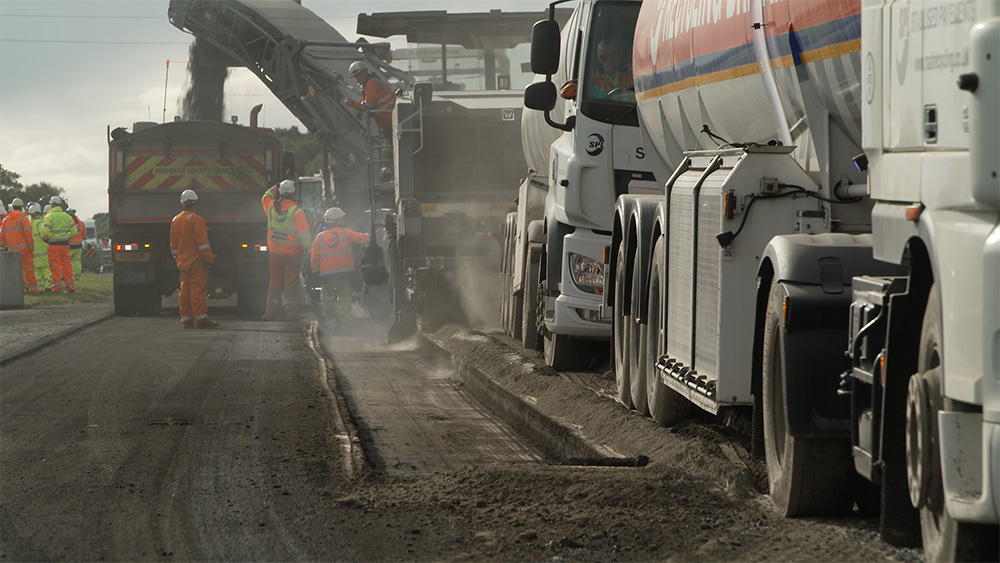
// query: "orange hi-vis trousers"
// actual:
[[285, 282], [28, 270], [194, 280], [62, 268]]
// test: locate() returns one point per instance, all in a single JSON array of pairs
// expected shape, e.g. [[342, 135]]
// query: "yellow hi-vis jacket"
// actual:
[[58, 227], [287, 229]]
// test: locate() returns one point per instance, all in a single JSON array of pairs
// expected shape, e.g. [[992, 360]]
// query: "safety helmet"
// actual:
[[356, 68], [56, 200], [17, 202], [333, 214], [71, 211], [3, 210], [286, 187], [34, 208], [188, 196], [47, 208]]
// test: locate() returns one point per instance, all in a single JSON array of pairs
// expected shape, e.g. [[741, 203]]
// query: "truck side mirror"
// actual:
[[545, 47], [540, 96]]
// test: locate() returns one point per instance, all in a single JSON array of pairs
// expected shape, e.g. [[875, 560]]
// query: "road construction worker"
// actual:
[[376, 96], [57, 229], [190, 247], [332, 258], [16, 235], [42, 273], [288, 238], [76, 243]]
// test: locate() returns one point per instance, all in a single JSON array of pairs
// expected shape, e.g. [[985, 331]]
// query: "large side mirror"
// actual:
[[540, 96], [545, 47]]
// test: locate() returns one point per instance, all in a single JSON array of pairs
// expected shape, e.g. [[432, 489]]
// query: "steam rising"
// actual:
[[204, 98]]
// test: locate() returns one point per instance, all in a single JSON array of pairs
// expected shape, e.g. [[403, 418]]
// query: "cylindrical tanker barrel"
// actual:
[[696, 64]]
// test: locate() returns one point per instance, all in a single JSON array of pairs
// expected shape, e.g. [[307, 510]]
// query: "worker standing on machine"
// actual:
[[16, 235], [288, 238], [190, 247], [57, 229], [76, 243], [332, 258], [42, 274]]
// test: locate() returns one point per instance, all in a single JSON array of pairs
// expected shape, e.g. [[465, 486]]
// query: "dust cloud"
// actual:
[[477, 286], [203, 100]]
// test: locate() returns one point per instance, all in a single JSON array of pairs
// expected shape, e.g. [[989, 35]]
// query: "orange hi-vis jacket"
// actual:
[[16, 233], [81, 232], [376, 96], [189, 240], [287, 228], [332, 252]]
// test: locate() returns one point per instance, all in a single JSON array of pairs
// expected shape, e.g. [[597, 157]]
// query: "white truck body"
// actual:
[[874, 231]]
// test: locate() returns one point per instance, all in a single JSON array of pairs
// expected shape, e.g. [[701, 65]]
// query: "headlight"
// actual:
[[587, 273]]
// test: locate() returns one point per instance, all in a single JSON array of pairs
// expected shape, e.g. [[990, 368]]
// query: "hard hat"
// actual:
[[56, 200], [356, 68], [286, 187], [47, 209], [34, 208], [71, 211], [17, 202], [3, 210], [188, 196], [333, 214]]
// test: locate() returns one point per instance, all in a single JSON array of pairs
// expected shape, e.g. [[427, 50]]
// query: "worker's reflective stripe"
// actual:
[[337, 271], [16, 246], [204, 246], [174, 251], [325, 254], [191, 216], [200, 317], [187, 318]]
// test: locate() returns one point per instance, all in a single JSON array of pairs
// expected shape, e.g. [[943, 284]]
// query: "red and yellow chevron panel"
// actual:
[[197, 169]]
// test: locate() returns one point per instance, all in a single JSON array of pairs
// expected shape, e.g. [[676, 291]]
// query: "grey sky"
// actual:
[[71, 68]]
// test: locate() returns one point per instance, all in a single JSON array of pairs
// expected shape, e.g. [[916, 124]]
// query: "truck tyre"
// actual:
[[529, 302], [944, 538], [666, 406], [637, 348], [516, 310], [125, 303], [808, 476], [619, 332], [562, 353]]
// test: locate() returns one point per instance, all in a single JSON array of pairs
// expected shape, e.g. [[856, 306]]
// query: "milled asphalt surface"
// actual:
[[22, 331]]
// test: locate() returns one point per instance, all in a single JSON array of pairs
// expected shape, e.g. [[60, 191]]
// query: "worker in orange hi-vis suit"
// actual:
[[332, 258], [57, 229], [288, 239], [76, 244], [16, 235], [190, 247]]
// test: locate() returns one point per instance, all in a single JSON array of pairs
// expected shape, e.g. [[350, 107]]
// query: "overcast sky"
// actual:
[[71, 68]]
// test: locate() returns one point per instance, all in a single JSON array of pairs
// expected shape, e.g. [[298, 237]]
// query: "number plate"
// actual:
[[132, 256]]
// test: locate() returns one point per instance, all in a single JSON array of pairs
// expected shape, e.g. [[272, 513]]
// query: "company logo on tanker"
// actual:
[[685, 43]]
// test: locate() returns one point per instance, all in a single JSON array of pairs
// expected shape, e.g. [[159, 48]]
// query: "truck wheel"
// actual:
[[529, 302], [561, 352], [666, 406], [516, 311], [619, 332], [808, 476], [148, 301], [125, 302], [637, 348], [944, 538]]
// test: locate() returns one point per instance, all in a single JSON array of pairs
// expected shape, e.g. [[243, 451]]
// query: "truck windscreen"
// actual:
[[608, 93]]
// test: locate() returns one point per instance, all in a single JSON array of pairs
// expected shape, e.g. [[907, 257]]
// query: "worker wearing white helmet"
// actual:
[[3, 210], [16, 236], [43, 274], [193, 253], [333, 259], [288, 239], [376, 96], [57, 230], [76, 244]]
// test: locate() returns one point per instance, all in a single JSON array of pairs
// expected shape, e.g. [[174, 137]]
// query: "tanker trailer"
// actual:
[[833, 195]]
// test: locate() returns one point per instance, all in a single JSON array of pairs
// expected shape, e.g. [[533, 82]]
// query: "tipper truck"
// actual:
[[583, 148], [826, 254], [229, 166]]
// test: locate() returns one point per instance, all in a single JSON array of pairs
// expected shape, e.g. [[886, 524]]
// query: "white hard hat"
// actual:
[[17, 202], [188, 196], [286, 187], [47, 209], [356, 68], [3, 210], [333, 214], [34, 208], [56, 200], [71, 211]]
